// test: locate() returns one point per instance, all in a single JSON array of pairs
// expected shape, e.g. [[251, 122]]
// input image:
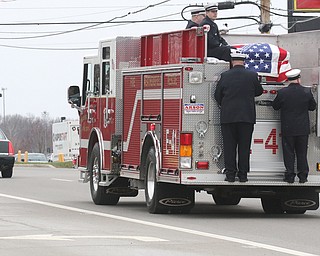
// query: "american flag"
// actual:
[[267, 60]]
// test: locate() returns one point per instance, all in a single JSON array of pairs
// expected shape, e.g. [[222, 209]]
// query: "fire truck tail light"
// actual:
[[185, 162], [202, 165], [185, 150], [265, 91], [186, 139], [273, 92], [195, 77]]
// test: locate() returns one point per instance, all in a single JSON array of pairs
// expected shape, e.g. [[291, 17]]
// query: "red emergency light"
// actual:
[[152, 127]]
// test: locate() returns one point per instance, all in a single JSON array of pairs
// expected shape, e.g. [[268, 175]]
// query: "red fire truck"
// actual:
[[148, 121]]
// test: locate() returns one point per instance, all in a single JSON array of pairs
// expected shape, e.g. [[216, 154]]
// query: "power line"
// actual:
[[86, 27], [82, 7], [299, 21], [49, 49]]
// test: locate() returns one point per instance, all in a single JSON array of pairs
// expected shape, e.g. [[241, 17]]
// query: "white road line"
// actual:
[[51, 237], [64, 180], [168, 227]]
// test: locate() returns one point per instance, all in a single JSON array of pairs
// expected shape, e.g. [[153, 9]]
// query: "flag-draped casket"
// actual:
[[268, 60]]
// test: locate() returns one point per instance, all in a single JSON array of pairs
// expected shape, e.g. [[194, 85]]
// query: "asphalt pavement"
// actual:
[[46, 211]]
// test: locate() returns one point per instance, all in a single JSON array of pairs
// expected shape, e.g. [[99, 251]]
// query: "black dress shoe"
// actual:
[[243, 179], [303, 180], [230, 179], [289, 180]]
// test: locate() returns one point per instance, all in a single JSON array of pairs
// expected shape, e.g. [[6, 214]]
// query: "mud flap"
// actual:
[[300, 200], [176, 198]]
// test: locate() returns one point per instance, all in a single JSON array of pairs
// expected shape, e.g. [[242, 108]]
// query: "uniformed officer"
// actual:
[[197, 15], [294, 102], [217, 46], [235, 93]]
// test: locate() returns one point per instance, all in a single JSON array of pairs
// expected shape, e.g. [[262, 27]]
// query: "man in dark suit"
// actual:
[[235, 93], [216, 45], [294, 102], [197, 15]]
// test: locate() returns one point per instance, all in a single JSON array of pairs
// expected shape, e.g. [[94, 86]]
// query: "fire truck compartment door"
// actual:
[[266, 148]]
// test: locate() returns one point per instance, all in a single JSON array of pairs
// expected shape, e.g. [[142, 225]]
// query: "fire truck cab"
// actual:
[[148, 121]]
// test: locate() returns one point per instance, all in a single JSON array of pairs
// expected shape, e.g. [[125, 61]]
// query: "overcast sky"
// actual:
[[37, 80]]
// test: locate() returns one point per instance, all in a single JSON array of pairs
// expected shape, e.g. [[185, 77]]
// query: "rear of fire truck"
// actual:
[[158, 129]]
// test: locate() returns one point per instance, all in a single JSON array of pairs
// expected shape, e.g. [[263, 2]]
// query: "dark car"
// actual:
[[6, 156]]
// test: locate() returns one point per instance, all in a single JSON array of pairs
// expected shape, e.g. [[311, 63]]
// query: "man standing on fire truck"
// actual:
[[294, 103], [235, 93], [216, 47]]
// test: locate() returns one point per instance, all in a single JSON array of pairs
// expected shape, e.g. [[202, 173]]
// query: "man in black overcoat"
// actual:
[[235, 93], [294, 103]]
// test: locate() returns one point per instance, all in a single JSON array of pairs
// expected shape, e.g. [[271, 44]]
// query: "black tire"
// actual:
[[296, 211], [99, 193], [152, 188], [272, 205], [7, 173], [226, 200], [162, 197]]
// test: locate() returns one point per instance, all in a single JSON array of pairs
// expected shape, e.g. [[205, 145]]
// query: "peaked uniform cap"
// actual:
[[293, 74], [238, 56], [211, 6], [198, 11]]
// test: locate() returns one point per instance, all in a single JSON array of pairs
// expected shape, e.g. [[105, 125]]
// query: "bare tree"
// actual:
[[32, 134]]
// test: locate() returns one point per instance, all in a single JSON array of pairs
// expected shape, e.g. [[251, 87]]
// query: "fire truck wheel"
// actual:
[[162, 197], [152, 188], [7, 173], [98, 193], [272, 205], [225, 199]]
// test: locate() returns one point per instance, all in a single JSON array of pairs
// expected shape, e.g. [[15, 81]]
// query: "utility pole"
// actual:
[[4, 104], [45, 115], [265, 13], [290, 16]]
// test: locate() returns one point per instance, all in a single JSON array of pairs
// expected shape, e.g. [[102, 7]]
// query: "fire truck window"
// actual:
[[87, 81], [106, 53], [105, 77], [96, 79]]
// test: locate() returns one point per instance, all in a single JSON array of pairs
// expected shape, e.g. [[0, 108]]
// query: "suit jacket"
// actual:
[[214, 38], [235, 93], [294, 102]]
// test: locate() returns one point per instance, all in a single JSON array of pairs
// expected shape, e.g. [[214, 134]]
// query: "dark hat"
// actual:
[[198, 11], [293, 74], [238, 56], [211, 6]]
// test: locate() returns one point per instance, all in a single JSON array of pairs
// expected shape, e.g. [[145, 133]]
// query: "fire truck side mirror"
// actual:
[[74, 97]]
